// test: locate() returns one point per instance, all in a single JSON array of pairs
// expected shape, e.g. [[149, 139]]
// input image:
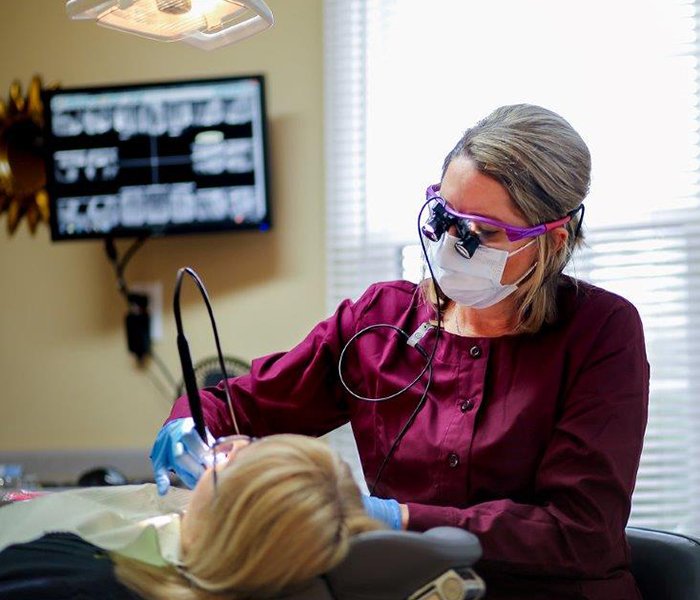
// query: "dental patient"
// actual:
[[265, 521]]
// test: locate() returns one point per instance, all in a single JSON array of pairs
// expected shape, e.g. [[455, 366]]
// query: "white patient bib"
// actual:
[[131, 520]]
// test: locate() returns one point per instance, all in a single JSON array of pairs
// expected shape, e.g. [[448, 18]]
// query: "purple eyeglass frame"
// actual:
[[513, 233]]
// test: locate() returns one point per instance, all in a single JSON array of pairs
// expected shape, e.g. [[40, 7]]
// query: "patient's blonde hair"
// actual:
[[284, 512]]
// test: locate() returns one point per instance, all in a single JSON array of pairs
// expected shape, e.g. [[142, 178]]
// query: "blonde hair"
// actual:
[[284, 512], [546, 167]]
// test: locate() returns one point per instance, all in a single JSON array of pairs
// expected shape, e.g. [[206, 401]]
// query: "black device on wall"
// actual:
[[153, 159]]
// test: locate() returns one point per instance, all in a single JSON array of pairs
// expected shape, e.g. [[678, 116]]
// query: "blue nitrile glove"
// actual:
[[387, 511], [179, 448]]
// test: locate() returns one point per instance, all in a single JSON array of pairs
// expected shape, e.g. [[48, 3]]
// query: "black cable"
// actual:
[[439, 294], [130, 251], [159, 384], [581, 208], [382, 398], [428, 365], [119, 265], [403, 431], [186, 360], [164, 370], [398, 330]]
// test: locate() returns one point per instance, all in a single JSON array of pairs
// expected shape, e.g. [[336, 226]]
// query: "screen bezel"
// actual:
[[148, 231]]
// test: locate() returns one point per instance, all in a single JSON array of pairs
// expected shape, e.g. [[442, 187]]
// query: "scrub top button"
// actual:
[[452, 460], [475, 351], [466, 405]]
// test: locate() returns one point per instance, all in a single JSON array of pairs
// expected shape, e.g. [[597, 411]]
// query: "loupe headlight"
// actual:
[[441, 220], [467, 245], [438, 223], [468, 240]]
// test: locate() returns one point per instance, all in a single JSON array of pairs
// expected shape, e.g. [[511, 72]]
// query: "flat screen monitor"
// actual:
[[157, 159]]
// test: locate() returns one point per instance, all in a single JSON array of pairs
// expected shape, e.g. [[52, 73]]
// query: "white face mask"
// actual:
[[474, 281]]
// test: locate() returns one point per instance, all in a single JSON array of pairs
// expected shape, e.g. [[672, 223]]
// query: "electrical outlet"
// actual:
[[154, 291]]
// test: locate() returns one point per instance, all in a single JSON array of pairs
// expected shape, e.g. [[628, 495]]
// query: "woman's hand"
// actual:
[[388, 511], [179, 448]]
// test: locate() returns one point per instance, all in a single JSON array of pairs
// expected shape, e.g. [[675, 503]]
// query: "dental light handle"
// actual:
[[195, 404]]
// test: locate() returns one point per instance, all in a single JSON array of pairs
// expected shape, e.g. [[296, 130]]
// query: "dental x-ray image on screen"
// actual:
[[157, 159]]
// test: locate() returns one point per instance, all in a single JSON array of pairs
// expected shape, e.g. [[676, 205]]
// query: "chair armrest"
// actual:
[[385, 565]]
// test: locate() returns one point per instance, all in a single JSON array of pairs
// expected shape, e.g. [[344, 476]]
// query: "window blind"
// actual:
[[356, 254], [657, 267], [403, 80]]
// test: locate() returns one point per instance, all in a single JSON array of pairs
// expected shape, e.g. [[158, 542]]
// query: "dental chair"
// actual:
[[381, 565], [400, 565], [666, 565]]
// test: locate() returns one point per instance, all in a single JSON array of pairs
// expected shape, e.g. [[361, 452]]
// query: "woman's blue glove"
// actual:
[[388, 511], [179, 448]]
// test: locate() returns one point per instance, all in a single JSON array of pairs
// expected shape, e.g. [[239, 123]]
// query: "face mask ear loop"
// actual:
[[525, 274], [532, 241], [531, 269]]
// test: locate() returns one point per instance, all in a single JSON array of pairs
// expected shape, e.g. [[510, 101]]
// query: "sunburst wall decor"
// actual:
[[22, 168]]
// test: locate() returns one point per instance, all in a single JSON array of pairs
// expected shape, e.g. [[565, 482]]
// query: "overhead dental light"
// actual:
[[207, 24]]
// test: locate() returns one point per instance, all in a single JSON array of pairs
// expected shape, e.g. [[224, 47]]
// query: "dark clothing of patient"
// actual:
[[59, 566]]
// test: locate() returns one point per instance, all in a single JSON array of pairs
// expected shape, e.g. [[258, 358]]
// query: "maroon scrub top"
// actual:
[[531, 441]]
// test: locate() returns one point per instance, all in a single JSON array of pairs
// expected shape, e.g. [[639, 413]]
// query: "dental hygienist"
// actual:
[[531, 429]]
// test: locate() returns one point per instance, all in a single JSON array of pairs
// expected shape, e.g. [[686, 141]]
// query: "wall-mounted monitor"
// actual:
[[157, 158]]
